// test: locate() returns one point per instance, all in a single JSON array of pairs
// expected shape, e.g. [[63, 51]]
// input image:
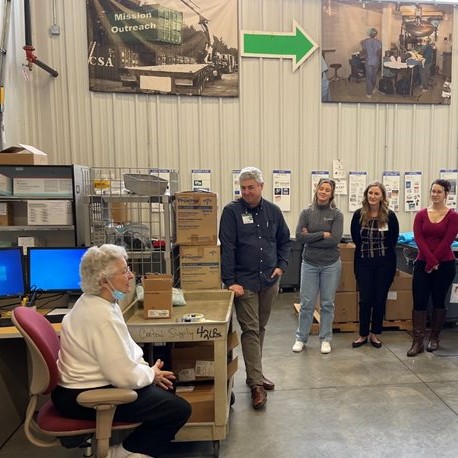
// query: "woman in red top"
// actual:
[[435, 229]]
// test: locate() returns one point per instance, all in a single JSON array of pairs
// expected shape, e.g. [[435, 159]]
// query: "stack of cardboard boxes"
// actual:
[[400, 302], [197, 238], [346, 303]]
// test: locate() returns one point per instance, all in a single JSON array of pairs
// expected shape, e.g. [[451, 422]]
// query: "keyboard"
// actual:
[[6, 322]]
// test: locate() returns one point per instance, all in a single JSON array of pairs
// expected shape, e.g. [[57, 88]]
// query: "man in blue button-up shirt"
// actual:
[[255, 244]]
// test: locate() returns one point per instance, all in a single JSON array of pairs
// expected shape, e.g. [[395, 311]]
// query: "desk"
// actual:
[[216, 305], [396, 67]]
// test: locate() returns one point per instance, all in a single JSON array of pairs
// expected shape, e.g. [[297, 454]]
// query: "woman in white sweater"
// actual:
[[97, 351]]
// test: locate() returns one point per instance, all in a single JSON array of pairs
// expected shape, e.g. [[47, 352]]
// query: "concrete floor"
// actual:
[[363, 402]]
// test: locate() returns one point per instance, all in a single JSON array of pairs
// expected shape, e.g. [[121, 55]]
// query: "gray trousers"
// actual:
[[253, 312]]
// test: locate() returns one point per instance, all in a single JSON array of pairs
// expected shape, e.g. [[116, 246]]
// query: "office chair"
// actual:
[[43, 346]]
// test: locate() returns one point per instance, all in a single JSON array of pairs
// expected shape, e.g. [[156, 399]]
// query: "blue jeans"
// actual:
[[323, 280]]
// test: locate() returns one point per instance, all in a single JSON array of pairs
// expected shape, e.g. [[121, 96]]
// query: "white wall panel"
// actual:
[[278, 122]]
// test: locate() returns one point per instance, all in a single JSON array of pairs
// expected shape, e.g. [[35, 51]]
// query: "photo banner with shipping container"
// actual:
[[386, 51], [176, 47]]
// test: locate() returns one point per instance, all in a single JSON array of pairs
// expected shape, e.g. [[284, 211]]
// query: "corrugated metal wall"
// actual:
[[277, 123]]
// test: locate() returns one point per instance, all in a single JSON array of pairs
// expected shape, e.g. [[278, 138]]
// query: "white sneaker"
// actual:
[[325, 347], [118, 451], [298, 346]]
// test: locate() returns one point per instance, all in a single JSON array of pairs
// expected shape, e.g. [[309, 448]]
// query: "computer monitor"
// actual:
[[12, 278], [55, 269]]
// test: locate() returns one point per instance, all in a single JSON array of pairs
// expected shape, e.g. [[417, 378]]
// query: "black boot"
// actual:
[[419, 325], [437, 322]]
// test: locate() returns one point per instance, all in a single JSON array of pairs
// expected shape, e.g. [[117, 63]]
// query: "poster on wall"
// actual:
[[317, 175], [184, 47], [451, 175], [236, 194], [412, 191], [357, 185], [392, 183], [201, 179], [282, 189], [383, 51]]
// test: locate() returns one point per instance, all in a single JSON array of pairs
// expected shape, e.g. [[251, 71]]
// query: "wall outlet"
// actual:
[[54, 30]]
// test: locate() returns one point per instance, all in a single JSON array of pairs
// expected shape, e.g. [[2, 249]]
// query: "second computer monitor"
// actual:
[[12, 278], [55, 269]]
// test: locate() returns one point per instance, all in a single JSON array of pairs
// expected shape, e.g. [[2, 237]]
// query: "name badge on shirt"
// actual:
[[383, 228], [247, 218]]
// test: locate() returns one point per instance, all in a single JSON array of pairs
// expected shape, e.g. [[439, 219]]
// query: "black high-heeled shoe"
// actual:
[[360, 343]]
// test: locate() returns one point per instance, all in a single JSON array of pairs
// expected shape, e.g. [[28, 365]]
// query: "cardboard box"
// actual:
[[49, 213], [23, 155], [347, 252], [399, 305], [196, 218], [346, 307], [194, 362], [347, 277], [157, 304], [157, 300], [6, 214], [202, 400], [43, 187], [200, 267], [402, 281], [157, 282], [6, 185]]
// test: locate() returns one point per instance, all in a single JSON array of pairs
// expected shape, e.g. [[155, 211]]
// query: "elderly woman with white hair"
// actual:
[[97, 351]]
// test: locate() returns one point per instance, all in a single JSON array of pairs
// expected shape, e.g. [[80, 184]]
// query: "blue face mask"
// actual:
[[117, 295]]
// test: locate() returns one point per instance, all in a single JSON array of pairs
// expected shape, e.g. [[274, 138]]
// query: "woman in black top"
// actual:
[[375, 231]]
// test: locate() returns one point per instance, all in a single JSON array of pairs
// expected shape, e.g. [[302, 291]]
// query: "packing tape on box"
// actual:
[[192, 317]]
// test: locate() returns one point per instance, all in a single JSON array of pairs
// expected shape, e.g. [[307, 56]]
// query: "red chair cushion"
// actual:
[[49, 419]]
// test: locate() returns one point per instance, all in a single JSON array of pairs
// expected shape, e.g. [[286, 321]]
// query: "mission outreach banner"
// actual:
[[172, 47]]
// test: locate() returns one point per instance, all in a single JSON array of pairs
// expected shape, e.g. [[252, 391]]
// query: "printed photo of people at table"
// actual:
[[386, 51]]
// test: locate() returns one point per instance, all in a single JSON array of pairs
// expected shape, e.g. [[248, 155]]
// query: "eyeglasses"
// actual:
[[126, 271]]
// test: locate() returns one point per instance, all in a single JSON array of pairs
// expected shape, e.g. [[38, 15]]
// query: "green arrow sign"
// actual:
[[296, 45]]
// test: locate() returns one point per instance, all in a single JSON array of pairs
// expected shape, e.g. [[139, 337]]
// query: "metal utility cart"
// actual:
[[139, 218], [211, 401]]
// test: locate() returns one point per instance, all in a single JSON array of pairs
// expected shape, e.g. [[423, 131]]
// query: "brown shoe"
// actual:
[[267, 384], [258, 396]]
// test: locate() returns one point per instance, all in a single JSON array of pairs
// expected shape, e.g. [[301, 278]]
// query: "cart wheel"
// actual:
[[232, 402], [216, 449]]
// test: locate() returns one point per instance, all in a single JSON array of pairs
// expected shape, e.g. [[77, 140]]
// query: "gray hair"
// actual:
[[98, 263], [251, 173]]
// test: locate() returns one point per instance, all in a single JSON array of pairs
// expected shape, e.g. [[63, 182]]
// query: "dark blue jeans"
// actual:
[[161, 414], [434, 285]]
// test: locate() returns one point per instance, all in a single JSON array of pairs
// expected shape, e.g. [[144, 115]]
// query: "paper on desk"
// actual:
[[58, 311]]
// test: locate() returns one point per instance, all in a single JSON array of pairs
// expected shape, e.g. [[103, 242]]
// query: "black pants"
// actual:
[[434, 285], [161, 413], [374, 277]]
